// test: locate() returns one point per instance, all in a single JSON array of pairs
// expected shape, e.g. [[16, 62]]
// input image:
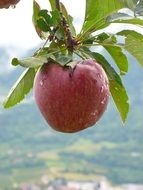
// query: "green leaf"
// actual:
[[130, 20], [31, 62], [111, 73], [20, 89], [139, 8], [15, 62], [97, 12], [42, 25], [45, 15], [134, 44], [104, 37], [63, 59], [60, 35], [118, 16], [42, 56], [36, 9], [119, 58], [120, 98], [68, 19], [117, 89], [56, 17], [131, 4], [53, 4]]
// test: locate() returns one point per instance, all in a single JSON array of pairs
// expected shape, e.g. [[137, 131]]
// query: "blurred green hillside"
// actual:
[[30, 149]]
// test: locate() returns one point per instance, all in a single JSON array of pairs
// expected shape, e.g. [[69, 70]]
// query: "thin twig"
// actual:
[[71, 41], [58, 5]]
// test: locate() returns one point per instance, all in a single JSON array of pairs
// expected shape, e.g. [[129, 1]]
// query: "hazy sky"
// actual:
[[16, 29]]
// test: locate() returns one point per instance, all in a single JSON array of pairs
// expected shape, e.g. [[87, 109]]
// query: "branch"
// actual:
[[58, 5], [71, 42]]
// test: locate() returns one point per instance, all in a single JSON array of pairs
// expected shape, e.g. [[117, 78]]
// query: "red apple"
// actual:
[[7, 3], [71, 101]]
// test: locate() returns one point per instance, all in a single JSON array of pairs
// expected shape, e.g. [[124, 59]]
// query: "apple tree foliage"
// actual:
[[63, 45]]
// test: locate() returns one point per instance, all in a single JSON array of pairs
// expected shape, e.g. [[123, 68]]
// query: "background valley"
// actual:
[[30, 149]]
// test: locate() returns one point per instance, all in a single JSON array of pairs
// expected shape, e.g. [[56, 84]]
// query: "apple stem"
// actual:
[[71, 41]]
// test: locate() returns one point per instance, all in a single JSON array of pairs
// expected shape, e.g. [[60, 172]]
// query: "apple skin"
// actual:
[[71, 101], [7, 3]]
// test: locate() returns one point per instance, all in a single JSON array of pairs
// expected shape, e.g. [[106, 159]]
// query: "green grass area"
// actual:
[[81, 158]]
